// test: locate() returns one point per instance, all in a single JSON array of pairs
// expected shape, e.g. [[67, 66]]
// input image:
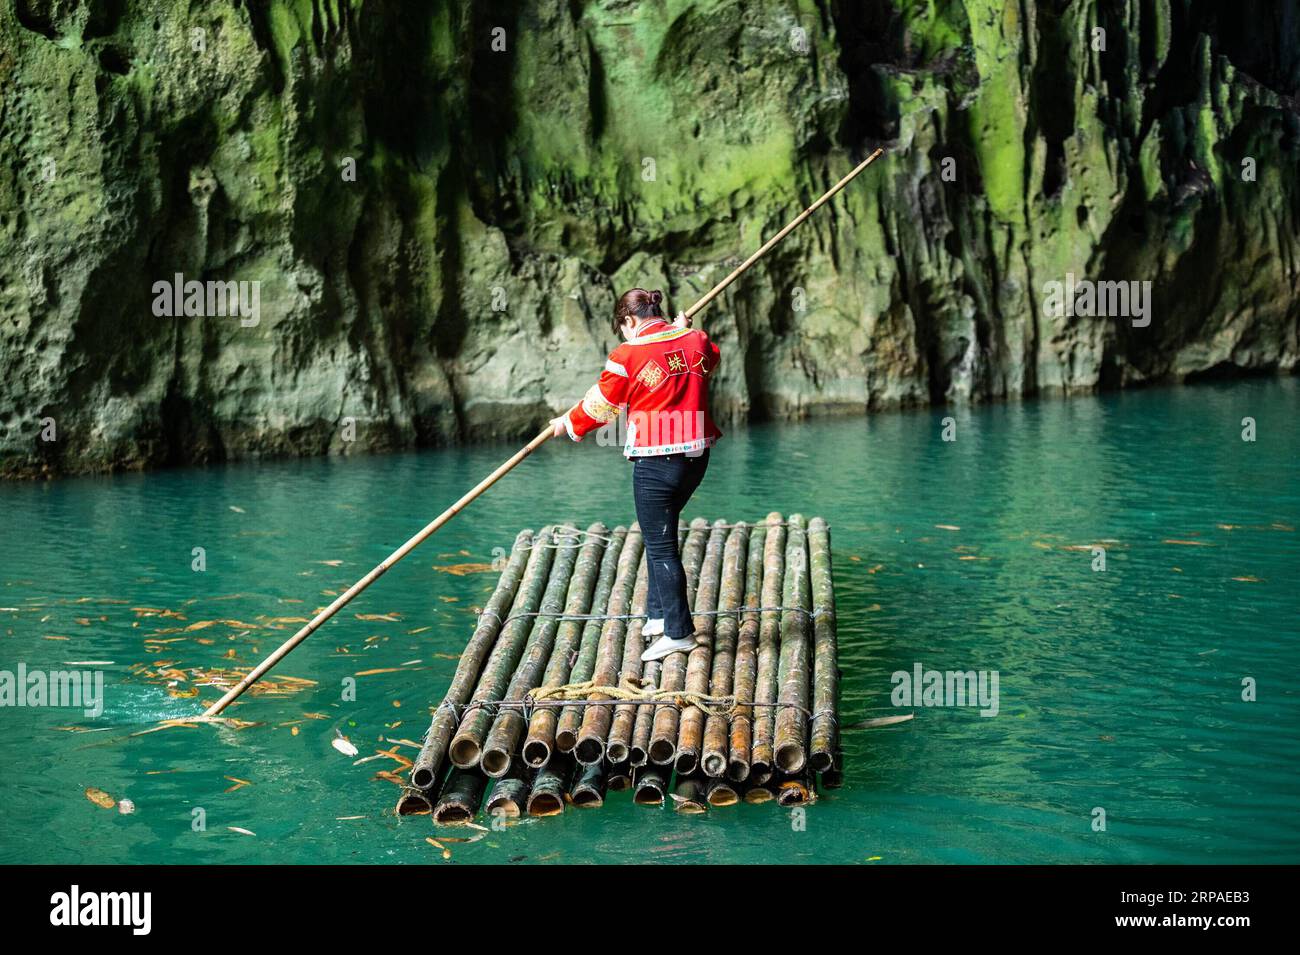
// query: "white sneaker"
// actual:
[[665, 646], [653, 628]]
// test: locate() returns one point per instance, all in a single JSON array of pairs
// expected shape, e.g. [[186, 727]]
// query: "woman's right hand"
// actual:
[[559, 425]]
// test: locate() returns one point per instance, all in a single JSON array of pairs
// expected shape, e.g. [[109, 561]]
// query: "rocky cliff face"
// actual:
[[439, 202]]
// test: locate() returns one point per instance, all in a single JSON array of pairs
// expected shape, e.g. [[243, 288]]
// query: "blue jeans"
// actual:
[[661, 486]]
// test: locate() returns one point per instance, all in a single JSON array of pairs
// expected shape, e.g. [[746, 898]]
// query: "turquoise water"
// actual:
[[1119, 689]]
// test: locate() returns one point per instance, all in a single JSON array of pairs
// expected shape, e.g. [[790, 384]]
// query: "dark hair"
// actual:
[[637, 303]]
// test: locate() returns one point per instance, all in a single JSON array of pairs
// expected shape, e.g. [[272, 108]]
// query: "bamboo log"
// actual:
[[541, 729], [413, 802], [757, 792], [722, 792], [689, 796], [795, 789], [588, 790], [667, 717], [620, 777], [639, 754], [550, 787], [722, 678], [765, 686], [584, 661], [467, 744], [650, 785], [795, 670], [620, 728], [742, 720], [590, 747], [459, 801], [509, 725], [833, 778], [825, 697], [509, 794], [699, 662], [427, 765]]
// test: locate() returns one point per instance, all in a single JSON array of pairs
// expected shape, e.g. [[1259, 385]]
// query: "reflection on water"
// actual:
[[1119, 689]]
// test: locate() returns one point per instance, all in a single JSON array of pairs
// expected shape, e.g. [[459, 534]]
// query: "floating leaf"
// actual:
[[384, 617], [461, 570], [100, 798], [877, 721], [341, 743], [242, 832]]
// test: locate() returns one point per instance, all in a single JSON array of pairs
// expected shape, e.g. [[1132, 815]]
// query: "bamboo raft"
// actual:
[[551, 707]]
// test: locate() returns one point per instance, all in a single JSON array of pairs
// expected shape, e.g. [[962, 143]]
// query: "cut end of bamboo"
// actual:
[[662, 752], [737, 770], [790, 757], [820, 762], [536, 753], [686, 762], [715, 765], [465, 753], [617, 752], [495, 762], [722, 794], [545, 804], [588, 799], [589, 751], [422, 778], [453, 814], [412, 802]]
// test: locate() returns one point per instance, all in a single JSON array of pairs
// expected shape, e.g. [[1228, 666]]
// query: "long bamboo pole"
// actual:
[[505, 468], [742, 720], [826, 675], [343, 599], [699, 662], [768, 649], [564, 736], [427, 765], [620, 728], [767, 246], [509, 794], [795, 671], [551, 787], [459, 801], [722, 679], [467, 745], [638, 754], [541, 729], [509, 725], [663, 736], [590, 747]]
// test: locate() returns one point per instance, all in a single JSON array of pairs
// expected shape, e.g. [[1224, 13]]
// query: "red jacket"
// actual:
[[662, 377]]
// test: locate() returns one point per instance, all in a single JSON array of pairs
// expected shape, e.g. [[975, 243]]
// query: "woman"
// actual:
[[661, 374]]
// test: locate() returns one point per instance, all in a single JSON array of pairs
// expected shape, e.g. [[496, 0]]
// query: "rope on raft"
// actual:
[[578, 694]]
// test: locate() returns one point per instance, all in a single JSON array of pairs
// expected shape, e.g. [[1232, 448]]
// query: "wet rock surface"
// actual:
[[439, 203]]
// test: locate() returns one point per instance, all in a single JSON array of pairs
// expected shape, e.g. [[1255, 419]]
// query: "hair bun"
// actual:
[[656, 297]]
